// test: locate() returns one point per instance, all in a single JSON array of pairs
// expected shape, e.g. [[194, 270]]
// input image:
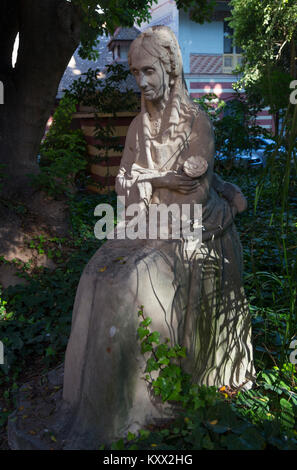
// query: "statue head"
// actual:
[[155, 61]]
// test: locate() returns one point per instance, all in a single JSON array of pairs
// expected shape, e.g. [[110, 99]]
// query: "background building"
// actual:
[[209, 56]]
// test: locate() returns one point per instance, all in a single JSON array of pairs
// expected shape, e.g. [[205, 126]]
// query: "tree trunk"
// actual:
[[49, 32]]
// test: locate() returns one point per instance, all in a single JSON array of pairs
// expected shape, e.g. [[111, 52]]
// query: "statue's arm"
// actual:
[[134, 181], [125, 180], [202, 144], [130, 174], [231, 192]]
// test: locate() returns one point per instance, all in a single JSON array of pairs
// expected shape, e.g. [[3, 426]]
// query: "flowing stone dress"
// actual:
[[194, 299]]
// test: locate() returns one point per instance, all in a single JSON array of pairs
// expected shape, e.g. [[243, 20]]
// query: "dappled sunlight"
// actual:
[[72, 62], [73, 66], [218, 89], [15, 51]]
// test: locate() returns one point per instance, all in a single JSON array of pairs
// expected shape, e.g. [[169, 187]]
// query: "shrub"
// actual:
[[62, 153]]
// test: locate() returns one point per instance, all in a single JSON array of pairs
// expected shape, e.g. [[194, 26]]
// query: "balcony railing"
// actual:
[[230, 61]]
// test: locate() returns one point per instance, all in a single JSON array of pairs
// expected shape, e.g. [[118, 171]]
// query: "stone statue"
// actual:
[[194, 298]]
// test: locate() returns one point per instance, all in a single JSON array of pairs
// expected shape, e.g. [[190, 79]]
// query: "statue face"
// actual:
[[150, 75]]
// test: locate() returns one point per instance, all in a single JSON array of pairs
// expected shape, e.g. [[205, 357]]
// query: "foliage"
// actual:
[[212, 105], [267, 33], [103, 17], [35, 318], [262, 418], [234, 123], [169, 383], [3, 313], [62, 153], [273, 399], [107, 94], [199, 10]]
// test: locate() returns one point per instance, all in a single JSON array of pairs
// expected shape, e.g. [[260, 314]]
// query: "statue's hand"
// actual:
[[181, 183]]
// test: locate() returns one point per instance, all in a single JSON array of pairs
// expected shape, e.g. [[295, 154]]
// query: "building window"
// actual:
[[124, 52], [228, 41], [120, 52], [232, 54]]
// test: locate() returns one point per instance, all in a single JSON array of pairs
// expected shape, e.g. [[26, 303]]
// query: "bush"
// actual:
[[62, 153], [211, 419]]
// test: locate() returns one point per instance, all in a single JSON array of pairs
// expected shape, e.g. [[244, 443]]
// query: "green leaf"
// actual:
[[287, 416], [145, 347], [144, 433], [50, 351], [182, 352], [161, 351], [154, 337], [175, 392], [163, 360], [151, 365], [146, 322], [172, 371], [207, 443], [133, 447], [119, 445], [172, 352], [142, 332]]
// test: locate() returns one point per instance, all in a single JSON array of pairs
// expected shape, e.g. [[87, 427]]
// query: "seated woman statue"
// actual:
[[193, 296]]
